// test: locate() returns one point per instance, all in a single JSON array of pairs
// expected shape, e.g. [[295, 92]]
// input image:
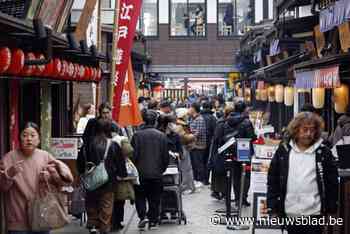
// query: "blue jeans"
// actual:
[[27, 232]]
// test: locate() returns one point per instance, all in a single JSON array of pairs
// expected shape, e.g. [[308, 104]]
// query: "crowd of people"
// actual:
[[301, 181]]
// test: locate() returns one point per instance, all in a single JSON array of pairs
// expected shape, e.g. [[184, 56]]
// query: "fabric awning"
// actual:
[[318, 78]]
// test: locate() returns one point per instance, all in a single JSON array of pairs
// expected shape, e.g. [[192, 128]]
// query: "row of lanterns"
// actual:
[[12, 63], [280, 94]]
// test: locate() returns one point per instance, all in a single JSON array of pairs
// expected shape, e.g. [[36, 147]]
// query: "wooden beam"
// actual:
[[83, 23]]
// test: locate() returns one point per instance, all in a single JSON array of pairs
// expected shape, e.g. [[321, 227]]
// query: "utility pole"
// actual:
[[114, 50]]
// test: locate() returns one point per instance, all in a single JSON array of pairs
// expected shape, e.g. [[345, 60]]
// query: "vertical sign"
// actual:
[[128, 16]]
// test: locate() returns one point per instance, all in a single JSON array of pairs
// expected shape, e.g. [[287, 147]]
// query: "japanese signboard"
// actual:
[[64, 148], [128, 16]]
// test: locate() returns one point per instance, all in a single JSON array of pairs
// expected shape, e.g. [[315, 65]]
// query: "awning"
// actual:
[[318, 78]]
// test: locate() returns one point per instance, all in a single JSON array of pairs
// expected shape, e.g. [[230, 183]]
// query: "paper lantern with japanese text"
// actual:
[[341, 98], [271, 93], [48, 69], [99, 75], [318, 97], [289, 96], [28, 70], [279, 92], [17, 62], [263, 94], [64, 69], [70, 72], [5, 59]]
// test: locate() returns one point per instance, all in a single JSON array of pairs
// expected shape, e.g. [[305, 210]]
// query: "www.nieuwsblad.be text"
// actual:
[[276, 221]]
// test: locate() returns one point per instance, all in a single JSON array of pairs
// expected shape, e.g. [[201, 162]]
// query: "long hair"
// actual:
[[99, 142], [305, 118]]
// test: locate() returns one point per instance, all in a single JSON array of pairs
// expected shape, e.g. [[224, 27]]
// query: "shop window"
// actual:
[[148, 21], [188, 18], [233, 17], [106, 4]]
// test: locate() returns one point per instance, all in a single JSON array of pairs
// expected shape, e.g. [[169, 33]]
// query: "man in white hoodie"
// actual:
[[303, 178]]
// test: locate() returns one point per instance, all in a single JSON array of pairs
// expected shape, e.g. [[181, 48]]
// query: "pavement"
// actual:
[[199, 209]]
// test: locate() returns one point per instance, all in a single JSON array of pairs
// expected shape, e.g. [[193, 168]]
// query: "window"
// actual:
[[148, 22], [188, 18], [233, 17], [106, 4]]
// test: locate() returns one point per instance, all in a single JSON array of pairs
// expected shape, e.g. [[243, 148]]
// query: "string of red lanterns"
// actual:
[[12, 63]]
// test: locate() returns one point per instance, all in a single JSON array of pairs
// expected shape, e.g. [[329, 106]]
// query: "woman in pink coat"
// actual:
[[23, 173]]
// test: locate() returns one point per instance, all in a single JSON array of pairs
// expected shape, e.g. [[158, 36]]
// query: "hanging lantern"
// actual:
[[318, 97], [81, 73], [279, 92], [57, 67], [76, 71], [39, 69], [48, 69], [240, 92], [93, 74], [247, 95], [99, 75], [64, 69], [70, 72], [271, 93], [289, 96], [5, 59], [341, 98], [263, 94], [28, 70], [258, 94], [17, 62]]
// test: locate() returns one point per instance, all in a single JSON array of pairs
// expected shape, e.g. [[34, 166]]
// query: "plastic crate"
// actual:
[[15, 8]]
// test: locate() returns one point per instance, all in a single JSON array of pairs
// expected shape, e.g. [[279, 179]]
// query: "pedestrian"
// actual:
[[199, 130], [239, 125], [216, 161], [105, 112], [88, 113], [151, 157], [187, 140], [210, 122], [24, 175], [303, 178], [101, 149], [342, 130]]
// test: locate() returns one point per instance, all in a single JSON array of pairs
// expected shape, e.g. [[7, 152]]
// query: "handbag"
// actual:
[[96, 176], [48, 212], [124, 191]]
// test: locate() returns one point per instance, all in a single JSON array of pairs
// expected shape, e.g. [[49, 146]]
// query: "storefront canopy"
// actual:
[[318, 78]]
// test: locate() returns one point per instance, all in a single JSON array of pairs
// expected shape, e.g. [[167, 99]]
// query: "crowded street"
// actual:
[[174, 116]]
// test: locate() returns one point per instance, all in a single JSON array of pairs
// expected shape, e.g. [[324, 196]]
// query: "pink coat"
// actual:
[[25, 186]]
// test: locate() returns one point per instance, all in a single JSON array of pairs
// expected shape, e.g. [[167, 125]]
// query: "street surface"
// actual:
[[199, 207]]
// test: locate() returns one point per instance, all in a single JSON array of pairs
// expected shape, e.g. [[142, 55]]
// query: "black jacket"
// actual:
[[327, 180], [235, 122], [210, 123], [114, 162], [151, 152]]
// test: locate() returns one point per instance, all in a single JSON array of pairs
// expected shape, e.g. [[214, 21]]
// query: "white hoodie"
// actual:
[[302, 196]]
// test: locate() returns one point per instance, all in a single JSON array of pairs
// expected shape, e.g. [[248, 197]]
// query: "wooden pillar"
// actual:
[[45, 115]]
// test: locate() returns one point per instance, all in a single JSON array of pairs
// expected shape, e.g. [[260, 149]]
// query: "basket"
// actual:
[[15, 8]]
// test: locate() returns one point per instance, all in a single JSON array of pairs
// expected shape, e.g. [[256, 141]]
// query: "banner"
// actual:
[[319, 78], [129, 109], [128, 16], [14, 114]]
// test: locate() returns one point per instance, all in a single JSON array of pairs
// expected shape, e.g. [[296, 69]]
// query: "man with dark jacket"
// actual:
[[210, 122], [151, 157], [303, 178], [238, 124]]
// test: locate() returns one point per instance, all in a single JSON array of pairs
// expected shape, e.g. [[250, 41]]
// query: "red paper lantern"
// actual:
[[5, 59], [57, 67], [76, 71], [28, 70], [48, 69], [93, 73], [71, 70], [39, 69], [17, 62], [87, 73], [99, 75], [81, 72], [64, 69]]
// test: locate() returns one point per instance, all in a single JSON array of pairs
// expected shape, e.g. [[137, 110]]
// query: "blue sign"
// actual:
[[243, 150]]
